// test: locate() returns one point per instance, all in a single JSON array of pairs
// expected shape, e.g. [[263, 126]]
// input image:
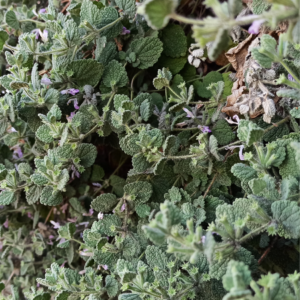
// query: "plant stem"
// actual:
[[109, 25], [132, 82], [290, 71], [33, 21], [252, 233], [210, 185], [286, 119]]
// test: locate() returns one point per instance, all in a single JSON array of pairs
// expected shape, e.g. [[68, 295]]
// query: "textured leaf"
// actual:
[[87, 154], [147, 51], [86, 71], [249, 132], [7, 197], [145, 110], [157, 12], [11, 19], [111, 285], [50, 197], [287, 213], [43, 133], [223, 132], [115, 75], [104, 203], [128, 7], [3, 39], [174, 41]]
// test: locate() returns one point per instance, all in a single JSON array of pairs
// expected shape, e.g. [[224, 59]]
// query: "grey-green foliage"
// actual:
[[135, 193]]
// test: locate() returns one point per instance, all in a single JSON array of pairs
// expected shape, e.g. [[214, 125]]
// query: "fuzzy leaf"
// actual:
[[50, 197], [86, 71], [115, 75], [104, 202], [249, 132], [147, 51], [7, 197], [157, 12]]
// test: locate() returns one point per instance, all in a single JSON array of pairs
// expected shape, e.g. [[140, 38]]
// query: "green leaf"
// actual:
[[174, 65], [104, 203], [111, 286], [43, 134], [87, 154], [147, 51], [105, 225], [108, 16], [115, 75], [243, 171], [2, 286], [201, 87], [16, 85], [287, 214], [7, 197], [174, 41], [156, 258], [12, 20], [263, 60], [249, 132], [33, 194], [55, 112], [220, 43], [146, 110], [50, 197], [223, 132], [163, 79], [90, 13], [236, 280], [128, 7], [97, 173], [139, 191], [86, 71], [157, 12], [3, 38], [295, 112], [67, 231]]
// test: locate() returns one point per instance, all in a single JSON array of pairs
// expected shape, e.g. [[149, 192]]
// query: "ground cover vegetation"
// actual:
[[150, 150]]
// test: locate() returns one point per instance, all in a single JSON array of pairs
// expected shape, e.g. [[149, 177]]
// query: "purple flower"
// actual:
[[12, 130], [204, 129], [235, 117], [90, 213], [43, 34], [69, 118], [5, 224], [240, 152], [100, 216], [105, 267], [291, 78], [46, 81], [75, 101], [123, 207], [75, 172], [63, 264], [97, 184], [29, 215], [125, 31], [43, 11], [203, 239], [37, 33], [72, 92], [38, 285], [18, 153], [189, 114], [254, 28], [55, 224]]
